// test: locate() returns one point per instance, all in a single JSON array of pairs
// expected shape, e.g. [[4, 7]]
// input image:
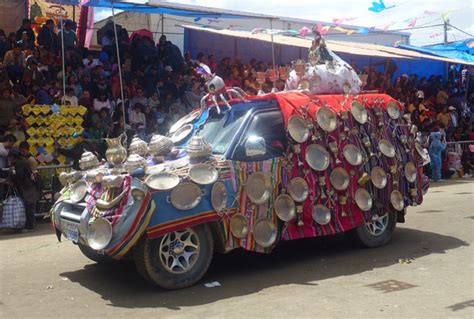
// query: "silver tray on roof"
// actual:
[[265, 232], [162, 181], [298, 128], [186, 196], [188, 118], [352, 154], [203, 174], [326, 119], [359, 112], [317, 157], [182, 133]]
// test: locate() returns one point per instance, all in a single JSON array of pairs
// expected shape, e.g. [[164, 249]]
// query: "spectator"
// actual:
[[4, 46], [101, 102], [154, 101], [42, 95], [7, 109], [69, 98], [26, 27], [70, 39], [24, 149], [14, 62], [7, 143], [16, 129], [443, 117], [47, 38], [85, 100], [140, 98], [102, 121], [137, 119], [25, 183], [435, 149]]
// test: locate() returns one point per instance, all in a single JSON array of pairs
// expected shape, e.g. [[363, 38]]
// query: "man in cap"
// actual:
[[14, 62], [70, 38]]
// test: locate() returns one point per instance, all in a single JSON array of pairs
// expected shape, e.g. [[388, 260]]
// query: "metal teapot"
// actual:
[[116, 152]]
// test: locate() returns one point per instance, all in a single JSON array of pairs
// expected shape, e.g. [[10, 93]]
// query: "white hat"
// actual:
[[451, 108], [420, 94], [168, 68]]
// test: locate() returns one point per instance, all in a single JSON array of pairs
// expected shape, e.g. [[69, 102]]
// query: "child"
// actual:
[[435, 149]]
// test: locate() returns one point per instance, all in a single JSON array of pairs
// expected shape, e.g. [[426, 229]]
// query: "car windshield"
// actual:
[[219, 131]]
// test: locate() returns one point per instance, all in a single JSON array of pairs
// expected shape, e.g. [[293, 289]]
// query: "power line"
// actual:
[[452, 26]]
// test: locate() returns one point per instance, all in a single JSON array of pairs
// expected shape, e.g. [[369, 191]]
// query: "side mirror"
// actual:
[[255, 146]]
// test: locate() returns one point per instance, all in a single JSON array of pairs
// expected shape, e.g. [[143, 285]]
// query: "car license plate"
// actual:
[[72, 233]]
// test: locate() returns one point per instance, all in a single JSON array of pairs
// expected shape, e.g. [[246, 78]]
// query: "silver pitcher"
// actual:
[[116, 152]]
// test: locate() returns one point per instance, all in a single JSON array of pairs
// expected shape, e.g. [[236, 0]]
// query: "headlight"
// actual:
[[186, 196], [99, 234], [138, 194]]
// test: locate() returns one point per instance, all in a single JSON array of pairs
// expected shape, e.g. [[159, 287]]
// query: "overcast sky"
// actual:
[[426, 13]]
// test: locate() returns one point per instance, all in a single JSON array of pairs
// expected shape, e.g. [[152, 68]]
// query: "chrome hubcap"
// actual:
[[179, 250], [377, 225]]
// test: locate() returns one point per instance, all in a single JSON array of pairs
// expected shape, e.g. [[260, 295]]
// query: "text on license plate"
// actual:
[[72, 233]]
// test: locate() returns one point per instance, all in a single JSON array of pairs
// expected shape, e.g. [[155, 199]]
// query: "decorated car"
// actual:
[[246, 172]]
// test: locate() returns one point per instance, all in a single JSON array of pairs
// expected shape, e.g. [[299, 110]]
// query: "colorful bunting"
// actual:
[[378, 7], [304, 31], [412, 23], [344, 30]]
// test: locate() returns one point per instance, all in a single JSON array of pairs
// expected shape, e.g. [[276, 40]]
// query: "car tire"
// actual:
[[375, 232], [94, 255], [176, 260]]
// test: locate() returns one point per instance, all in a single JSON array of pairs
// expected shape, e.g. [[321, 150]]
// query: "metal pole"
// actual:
[[119, 70], [162, 24], [445, 27], [273, 44], [62, 50]]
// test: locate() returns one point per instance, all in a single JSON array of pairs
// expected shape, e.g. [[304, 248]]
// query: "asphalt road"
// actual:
[[427, 271]]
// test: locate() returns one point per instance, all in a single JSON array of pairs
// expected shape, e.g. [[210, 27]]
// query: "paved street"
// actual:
[[427, 271]]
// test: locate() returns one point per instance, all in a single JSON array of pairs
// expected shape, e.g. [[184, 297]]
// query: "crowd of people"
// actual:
[[160, 85]]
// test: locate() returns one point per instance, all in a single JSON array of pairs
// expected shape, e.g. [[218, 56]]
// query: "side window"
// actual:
[[264, 138]]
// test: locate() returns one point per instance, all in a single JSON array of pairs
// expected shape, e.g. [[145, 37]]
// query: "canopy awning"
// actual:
[[364, 49], [461, 50], [159, 7]]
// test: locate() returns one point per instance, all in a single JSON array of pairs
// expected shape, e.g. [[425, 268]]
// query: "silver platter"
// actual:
[[239, 226], [186, 196], [218, 196], [265, 233], [182, 133], [386, 148], [396, 199], [393, 110], [378, 177], [298, 128], [410, 172], [363, 199], [359, 112], [317, 157], [203, 174], [326, 119], [298, 189], [422, 152], [285, 207], [188, 118], [339, 178], [321, 214], [352, 154], [162, 181], [78, 191], [258, 187]]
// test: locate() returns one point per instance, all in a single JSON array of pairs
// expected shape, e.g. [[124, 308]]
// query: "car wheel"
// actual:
[[94, 255], [377, 231], [176, 260]]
